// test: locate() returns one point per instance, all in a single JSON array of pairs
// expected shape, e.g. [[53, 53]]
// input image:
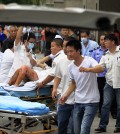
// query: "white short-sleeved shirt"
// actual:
[[86, 82], [6, 64], [112, 63], [63, 73], [59, 56], [20, 58]]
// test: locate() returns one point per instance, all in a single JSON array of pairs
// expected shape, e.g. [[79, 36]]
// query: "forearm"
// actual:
[[33, 62], [97, 69], [48, 79], [43, 60], [70, 89], [56, 83], [18, 36]]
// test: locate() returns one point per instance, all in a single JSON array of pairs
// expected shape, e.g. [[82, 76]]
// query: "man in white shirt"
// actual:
[[57, 51], [65, 112], [85, 86], [110, 61]]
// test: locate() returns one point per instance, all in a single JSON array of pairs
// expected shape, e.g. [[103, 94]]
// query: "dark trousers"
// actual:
[[101, 83]]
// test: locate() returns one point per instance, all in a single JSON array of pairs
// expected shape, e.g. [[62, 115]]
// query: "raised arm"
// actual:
[[18, 36]]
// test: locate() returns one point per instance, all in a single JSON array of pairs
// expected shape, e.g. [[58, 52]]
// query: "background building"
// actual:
[[103, 5]]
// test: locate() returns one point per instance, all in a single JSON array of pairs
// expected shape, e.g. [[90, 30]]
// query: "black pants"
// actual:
[[101, 83]]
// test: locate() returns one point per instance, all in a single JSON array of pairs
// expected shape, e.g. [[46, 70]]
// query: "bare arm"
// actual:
[[55, 86], [68, 92], [96, 69], [32, 61], [43, 60], [48, 79], [18, 36]]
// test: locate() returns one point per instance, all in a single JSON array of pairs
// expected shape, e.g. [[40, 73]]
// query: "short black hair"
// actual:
[[69, 38], [10, 43], [85, 31], [111, 37], [28, 35], [58, 41], [75, 43]]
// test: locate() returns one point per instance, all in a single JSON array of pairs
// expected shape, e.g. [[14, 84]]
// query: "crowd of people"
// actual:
[[85, 73]]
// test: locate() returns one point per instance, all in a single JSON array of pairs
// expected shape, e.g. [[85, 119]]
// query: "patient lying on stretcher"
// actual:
[[25, 74]]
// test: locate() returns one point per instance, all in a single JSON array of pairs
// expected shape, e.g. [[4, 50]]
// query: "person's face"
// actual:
[[31, 40], [109, 43], [54, 48], [84, 35], [13, 32], [64, 46], [64, 32], [72, 54], [102, 42], [47, 29], [53, 30]]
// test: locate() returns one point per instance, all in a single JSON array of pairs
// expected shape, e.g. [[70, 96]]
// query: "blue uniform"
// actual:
[[97, 54], [88, 50]]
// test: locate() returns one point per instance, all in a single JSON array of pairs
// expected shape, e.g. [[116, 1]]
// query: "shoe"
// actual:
[[117, 130], [100, 130]]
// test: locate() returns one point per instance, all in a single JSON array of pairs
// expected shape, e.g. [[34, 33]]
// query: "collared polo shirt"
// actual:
[[111, 61]]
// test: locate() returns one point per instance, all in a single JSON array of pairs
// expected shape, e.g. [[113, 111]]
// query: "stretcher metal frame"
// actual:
[[23, 118]]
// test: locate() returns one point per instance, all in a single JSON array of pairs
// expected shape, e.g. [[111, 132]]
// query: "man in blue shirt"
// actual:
[[2, 35], [88, 46]]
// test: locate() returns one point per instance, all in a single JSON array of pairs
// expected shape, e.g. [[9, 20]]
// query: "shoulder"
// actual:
[[70, 66], [96, 50], [93, 42], [106, 53], [89, 59]]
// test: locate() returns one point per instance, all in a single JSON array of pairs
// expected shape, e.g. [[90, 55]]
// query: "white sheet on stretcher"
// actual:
[[28, 86]]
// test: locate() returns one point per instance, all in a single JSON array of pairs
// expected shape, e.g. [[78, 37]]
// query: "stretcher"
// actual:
[[19, 123], [23, 114], [42, 95]]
